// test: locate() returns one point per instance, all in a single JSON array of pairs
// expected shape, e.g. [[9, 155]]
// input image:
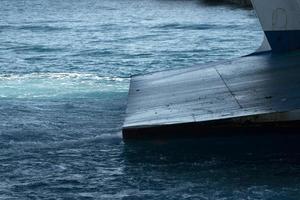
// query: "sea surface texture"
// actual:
[[65, 68]]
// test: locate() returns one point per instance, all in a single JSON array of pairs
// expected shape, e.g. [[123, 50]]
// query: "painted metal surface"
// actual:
[[256, 89], [278, 15], [284, 40], [280, 19]]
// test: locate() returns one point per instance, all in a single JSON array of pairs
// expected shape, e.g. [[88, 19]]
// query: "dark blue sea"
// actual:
[[65, 67]]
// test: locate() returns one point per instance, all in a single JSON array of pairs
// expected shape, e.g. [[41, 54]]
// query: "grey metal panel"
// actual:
[[252, 85]]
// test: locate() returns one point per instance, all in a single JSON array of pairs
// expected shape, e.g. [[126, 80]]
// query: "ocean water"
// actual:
[[65, 68]]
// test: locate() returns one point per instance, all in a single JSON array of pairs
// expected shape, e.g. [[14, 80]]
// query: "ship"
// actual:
[[256, 94]]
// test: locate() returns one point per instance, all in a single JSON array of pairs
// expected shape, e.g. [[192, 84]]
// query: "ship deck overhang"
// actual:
[[256, 94]]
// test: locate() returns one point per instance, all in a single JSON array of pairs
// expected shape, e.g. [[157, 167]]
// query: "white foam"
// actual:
[[41, 85]]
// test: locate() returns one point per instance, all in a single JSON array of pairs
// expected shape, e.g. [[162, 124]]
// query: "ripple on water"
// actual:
[[65, 68]]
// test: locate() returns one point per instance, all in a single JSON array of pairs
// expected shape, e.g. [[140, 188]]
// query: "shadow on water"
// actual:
[[245, 5], [241, 168], [257, 149], [252, 166]]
